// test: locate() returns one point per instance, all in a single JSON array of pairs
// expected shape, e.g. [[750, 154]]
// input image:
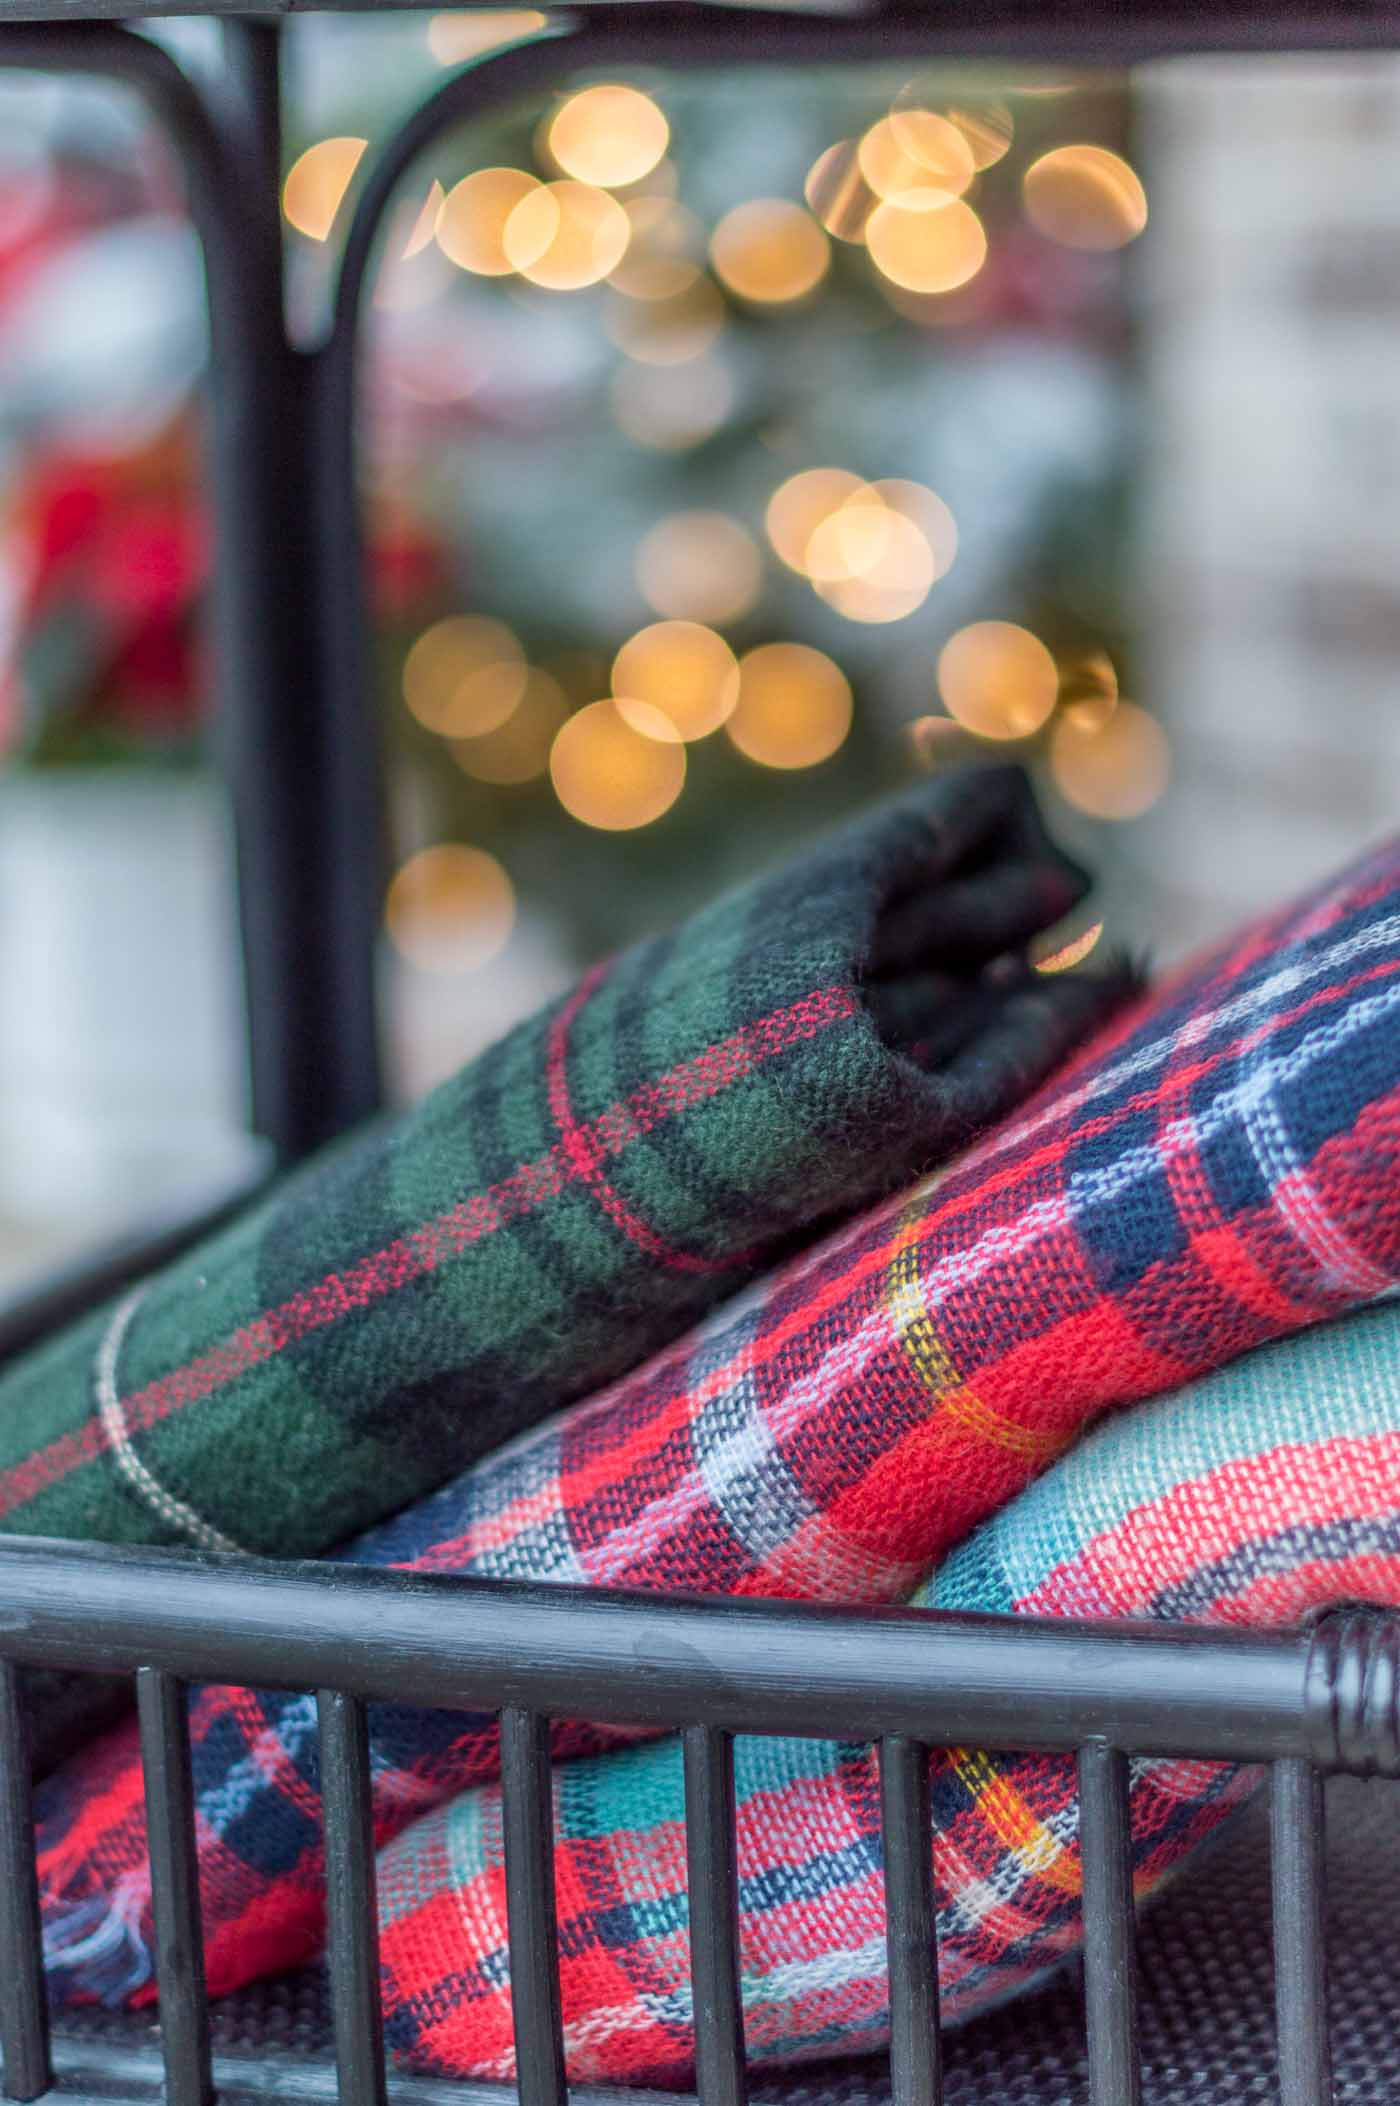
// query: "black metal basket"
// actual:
[[304, 782]]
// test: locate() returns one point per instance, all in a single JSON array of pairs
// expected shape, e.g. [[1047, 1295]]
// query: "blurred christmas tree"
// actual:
[[743, 397], [775, 430]]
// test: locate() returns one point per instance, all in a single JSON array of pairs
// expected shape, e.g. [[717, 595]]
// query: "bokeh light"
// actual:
[[838, 193], [869, 562], [1085, 197], [608, 135], [769, 251], [566, 235], [1065, 956], [518, 750], [610, 775], [794, 707], [798, 507], [678, 670], [986, 126], [871, 550], [1115, 772], [455, 38], [925, 243], [471, 223], [425, 221], [998, 680], [450, 909], [464, 676], [915, 151], [317, 182], [661, 254], [669, 331], [1088, 690], [672, 408], [700, 567]]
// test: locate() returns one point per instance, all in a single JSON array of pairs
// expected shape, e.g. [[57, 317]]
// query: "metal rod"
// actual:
[[916, 2067], [1300, 1952], [352, 1924], [184, 2013], [1024, 29], [1110, 1967], [528, 1817], [746, 1666], [713, 1886], [301, 765], [24, 2011]]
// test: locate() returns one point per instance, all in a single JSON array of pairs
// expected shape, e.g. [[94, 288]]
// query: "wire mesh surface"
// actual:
[[1206, 2023]]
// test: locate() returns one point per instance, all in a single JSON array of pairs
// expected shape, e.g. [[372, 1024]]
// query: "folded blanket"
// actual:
[[1264, 1492], [1217, 1170], [570, 1200]]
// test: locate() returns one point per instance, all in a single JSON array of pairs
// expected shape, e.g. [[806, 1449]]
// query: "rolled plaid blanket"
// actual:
[[1260, 1494], [569, 1201], [1217, 1169]]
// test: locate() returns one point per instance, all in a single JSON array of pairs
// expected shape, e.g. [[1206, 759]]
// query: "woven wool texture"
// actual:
[[569, 1201], [1217, 1169], [1266, 1491]]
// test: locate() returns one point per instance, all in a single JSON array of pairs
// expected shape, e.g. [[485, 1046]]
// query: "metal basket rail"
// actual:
[[1303, 1702]]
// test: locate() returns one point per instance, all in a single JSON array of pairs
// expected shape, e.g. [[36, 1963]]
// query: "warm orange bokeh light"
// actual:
[[450, 909], [998, 680], [464, 676], [471, 221], [608, 135], [455, 38], [924, 243], [1116, 772], [769, 251], [794, 706], [1085, 197], [518, 749], [681, 671], [316, 185], [609, 774], [566, 235], [798, 507]]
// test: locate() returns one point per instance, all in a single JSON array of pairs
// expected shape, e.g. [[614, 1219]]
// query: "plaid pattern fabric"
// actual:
[[569, 1201], [1266, 1491], [1217, 1169]]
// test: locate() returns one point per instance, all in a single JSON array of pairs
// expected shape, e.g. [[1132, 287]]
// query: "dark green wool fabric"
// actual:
[[570, 1201]]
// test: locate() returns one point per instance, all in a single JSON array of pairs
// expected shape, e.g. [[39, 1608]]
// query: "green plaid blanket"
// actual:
[[571, 1200]]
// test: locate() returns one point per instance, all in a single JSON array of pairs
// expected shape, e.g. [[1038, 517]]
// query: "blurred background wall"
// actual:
[[1269, 480]]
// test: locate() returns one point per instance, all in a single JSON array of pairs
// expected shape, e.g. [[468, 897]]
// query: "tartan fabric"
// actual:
[[569, 1201], [1216, 1169], [1266, 1491]]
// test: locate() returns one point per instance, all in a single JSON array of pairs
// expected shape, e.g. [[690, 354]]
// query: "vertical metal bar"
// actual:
[[1300, 1953], [1110, 1987], [916, 2068], [165, 1764], [712, 1875], [528, 1817], [302, 775], [24, 2011], [352, 1924]]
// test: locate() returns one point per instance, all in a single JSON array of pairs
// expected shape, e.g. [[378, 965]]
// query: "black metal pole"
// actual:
[[302, 769]]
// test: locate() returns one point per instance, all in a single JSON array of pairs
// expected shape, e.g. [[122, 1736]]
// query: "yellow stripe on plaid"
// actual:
[[930, 1358], [1037, 1848]]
